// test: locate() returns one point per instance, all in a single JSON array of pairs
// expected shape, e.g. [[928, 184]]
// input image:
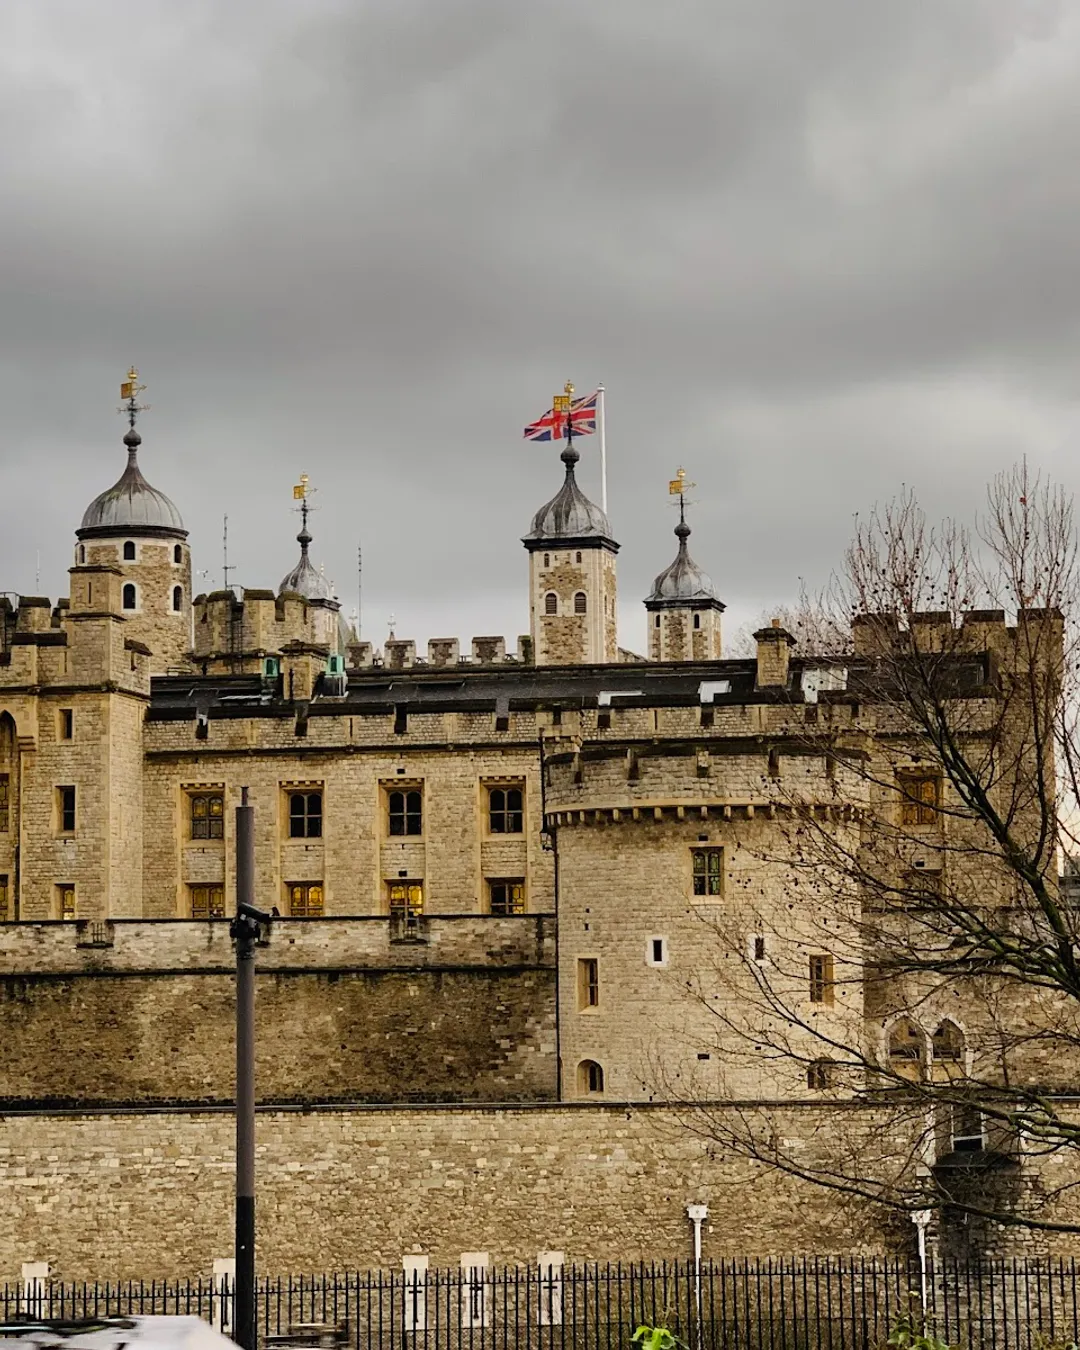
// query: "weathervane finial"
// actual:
[[130, 389], [678, 487]]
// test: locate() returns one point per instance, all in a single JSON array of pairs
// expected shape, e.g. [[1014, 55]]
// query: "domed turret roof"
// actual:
[[569, 514], [304, 579], [683, 582], [131, 505]]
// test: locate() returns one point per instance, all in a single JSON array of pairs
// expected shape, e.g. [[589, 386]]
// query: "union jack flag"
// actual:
[[552, 426]]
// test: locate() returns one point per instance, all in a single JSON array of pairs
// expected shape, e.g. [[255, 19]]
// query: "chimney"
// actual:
[[774, 646]]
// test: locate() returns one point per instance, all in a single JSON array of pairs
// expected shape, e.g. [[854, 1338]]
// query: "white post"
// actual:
[[921, 1219], [224, 1293], [697, 1215], [601, 432], [33, 1296]]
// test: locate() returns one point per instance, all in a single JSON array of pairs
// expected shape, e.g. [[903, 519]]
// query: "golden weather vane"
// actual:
[[130, 389], [678, 486]]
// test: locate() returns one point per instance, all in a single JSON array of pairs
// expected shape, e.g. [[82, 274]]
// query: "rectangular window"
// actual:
[[406, 898], [67, 724], [708, 870], [65, 900], [656, 952], [305, 899], [819, 1075], [207, 815], [5, 803], [65, 809], [207, 902], [5, 901], [506, 897], [821, 979], [759, 949], [405, 814], [505, 810], [305, 815], [588, 982], [921, 799]]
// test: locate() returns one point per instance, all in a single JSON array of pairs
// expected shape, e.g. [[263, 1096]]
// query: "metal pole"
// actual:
[[245, 931], [602, 430], [697, 1215]]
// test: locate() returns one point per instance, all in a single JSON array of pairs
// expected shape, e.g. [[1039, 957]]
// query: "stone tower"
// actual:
[[683, 608], [138, 530], [572, 578]]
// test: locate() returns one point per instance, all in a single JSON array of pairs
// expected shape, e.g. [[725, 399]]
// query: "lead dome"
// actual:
[[569, 514], [683, 581], [131, 505]]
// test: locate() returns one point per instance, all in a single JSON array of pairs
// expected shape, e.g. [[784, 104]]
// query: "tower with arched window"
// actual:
[[572, 594], [137, 529], [683, 608]]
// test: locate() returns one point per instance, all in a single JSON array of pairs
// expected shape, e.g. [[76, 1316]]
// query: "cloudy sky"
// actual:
[[816, 250]]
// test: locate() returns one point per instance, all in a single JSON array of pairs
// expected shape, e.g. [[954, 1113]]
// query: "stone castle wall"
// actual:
[[465, 1011]]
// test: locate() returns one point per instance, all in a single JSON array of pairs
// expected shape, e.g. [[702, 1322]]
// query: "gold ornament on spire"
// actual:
[[561, 402], [300, 491], [678, 486], [131, 388]]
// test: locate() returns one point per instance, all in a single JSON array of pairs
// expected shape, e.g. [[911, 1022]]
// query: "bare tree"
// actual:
[[927, 970]]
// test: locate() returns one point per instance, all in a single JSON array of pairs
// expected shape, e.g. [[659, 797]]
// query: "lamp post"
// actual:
[[245, 930], [697, 1214]]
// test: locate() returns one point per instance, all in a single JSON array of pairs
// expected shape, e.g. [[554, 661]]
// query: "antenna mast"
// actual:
[[225, 568], [359, 588]]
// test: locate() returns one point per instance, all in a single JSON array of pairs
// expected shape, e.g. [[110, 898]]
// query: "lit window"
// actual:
[[207, 902], [67, 724], [130, 600], [590, 1077], [922, 798], [588, 983], [819, 1074], [821, 979], [65, 809], [5, 803], [305, 899], [505, 811], [406, 899], [580, 603], [708, 871], [405, 812], [129, 551], [65, 900], [506, 897], [551, 603], [305, 815], [177, 599], [5, 901], [207, 815]]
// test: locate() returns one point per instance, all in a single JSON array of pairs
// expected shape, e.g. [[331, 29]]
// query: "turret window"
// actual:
[[547, 559], [551, 603], [577, 557], [177, 599], [656, 621], [580, 603], [697, 620], [129, 551], [131, 597], [178, 555], [82, 554]]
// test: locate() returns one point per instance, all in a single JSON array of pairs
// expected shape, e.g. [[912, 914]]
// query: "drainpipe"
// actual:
[[921, 1219], [697, 1214]]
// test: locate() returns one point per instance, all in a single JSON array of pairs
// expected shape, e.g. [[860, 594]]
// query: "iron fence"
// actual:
[[779, 1304]]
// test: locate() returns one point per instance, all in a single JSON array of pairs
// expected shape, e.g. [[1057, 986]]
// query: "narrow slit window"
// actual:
[[822, 979], [65, 900], [129, 551], [67, 724], [5, 803], [177, 599], [588, 970], [6, 914], [130, 597], [65, 802]]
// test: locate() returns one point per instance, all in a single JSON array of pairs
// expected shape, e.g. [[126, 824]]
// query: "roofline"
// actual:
[[570, 541], [126, 532]]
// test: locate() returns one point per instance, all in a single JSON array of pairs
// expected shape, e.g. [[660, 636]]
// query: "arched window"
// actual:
[[551, 603], [129, 551], [906, 1049], [697, 620], [130, 597], [177, 554], [82, 554], [948, 1044], [590, 1077], [177, 599], [580, 603], [656, 621]]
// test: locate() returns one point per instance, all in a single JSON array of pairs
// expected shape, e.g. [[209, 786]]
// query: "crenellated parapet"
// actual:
[[236, 635]]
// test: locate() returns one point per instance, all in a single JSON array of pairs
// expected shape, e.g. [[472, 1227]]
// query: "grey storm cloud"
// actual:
[[815, 251]]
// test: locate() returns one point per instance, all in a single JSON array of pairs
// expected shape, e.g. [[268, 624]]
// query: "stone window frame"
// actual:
[[177, 600], [489, 786], [920, 799], [206, 900], [707, 884], [207, 792], [66, 901], [821, 973], [514, 900], [6, 899], [587, 984], [405, 897], [178, 555], [67, 809], [389, 788], [551, 603], [65, 724], [132, 588], [292, 789], [581, 602], [657, 952], [133, 556], [590, 1078], [305, 899]]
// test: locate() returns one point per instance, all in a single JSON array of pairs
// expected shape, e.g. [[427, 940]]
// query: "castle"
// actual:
[[495, 876]]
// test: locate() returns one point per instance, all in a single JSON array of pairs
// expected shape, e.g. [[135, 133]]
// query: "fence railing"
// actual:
[[800, 1304]]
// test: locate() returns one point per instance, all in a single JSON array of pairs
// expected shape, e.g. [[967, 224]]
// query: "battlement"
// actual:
[[980, 630], [442, 652], [236, 633]]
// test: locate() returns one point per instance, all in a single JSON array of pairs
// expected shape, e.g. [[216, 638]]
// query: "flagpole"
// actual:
[[603, 448]]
